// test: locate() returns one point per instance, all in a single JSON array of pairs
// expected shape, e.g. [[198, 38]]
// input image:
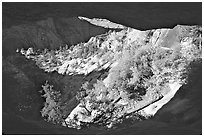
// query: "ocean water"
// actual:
[[182, 115]]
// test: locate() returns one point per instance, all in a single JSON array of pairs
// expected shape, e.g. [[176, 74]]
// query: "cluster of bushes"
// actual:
[[51, 111], [140, 69]]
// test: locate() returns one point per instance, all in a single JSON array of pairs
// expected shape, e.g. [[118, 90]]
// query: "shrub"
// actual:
[[51, 110]]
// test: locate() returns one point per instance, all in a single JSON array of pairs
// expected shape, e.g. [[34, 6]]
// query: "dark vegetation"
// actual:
[[22, 80]]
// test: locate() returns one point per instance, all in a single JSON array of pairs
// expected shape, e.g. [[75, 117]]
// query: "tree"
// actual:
[[51, 110]]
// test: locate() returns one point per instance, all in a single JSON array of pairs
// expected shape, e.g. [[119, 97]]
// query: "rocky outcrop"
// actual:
[[103, 23], [99, 52], [146, 70]]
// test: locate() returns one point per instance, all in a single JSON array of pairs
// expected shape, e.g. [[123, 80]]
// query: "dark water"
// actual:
[[22, 79], [137, 15]]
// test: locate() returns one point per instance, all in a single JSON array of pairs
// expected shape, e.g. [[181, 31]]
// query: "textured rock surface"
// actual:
[[103, 23], [182, 44], [181, 115], [99, 52]]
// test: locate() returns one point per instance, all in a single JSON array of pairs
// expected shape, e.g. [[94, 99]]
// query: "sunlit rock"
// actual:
[[146, 69], [103, 23]]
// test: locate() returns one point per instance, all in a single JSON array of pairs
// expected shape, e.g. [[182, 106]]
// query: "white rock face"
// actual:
[[152, 109], [114, 44], [78, 114], [103, 23]]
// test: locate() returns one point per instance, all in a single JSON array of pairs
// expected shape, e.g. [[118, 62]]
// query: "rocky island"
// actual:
[[144, 70]]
